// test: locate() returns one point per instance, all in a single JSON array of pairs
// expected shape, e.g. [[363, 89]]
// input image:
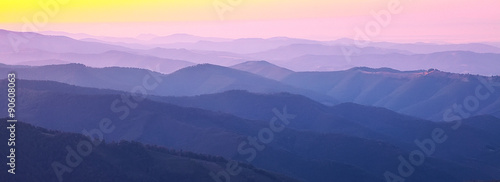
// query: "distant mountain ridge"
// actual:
[[425, 94], [196, 130], [106, 59], [193, 80], [184, 108], [264, 68], [290, 53], [461, 62], [124, 161], [417, 48]]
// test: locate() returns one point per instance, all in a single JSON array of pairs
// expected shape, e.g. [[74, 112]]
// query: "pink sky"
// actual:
[[454, 21]]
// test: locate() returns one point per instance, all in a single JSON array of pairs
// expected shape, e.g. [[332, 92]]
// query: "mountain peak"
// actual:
[[261, 62], [202, 67], [70, 65], [205, 65], [367, 69], [264, 68]]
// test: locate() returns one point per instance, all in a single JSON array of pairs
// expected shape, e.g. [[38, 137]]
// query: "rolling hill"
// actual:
[[425, 94], [469, 153], [263, 68], [194, 80], [123, 161]]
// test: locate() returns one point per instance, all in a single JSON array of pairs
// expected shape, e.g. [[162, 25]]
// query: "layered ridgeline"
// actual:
[[171, 53], [194, 80], [43, 154], [319, 143], [37, 49], [425, 94]]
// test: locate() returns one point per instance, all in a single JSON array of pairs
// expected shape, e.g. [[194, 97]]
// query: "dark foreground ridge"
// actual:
[[38, 148]]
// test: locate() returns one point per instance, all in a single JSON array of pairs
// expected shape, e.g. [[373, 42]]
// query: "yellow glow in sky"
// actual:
[[449, 20], [175, 10]]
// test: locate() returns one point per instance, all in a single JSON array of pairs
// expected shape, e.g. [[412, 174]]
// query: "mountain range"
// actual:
[[425, 94], [182, 50], [113, 161], [343, 135], [190, 108]]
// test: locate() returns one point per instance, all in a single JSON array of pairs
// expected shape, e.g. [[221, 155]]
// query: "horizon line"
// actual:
[[78, 36]]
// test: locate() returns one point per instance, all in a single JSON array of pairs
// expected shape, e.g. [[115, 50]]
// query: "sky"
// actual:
[[453, 21]]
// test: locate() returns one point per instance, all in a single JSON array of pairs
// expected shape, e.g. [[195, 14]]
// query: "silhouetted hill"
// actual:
[[194, 80], [388, 70], [179, 128], [196, 56], [450, 61], [37, 148], [241, 46], [218, 133], [56, 44], [426, 94], [352, 120], [58, 87], [110, 58], [426, 48], [124, 79], [206, 78], [294, 54], [311, 115], [263, 68], [297, 50]]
